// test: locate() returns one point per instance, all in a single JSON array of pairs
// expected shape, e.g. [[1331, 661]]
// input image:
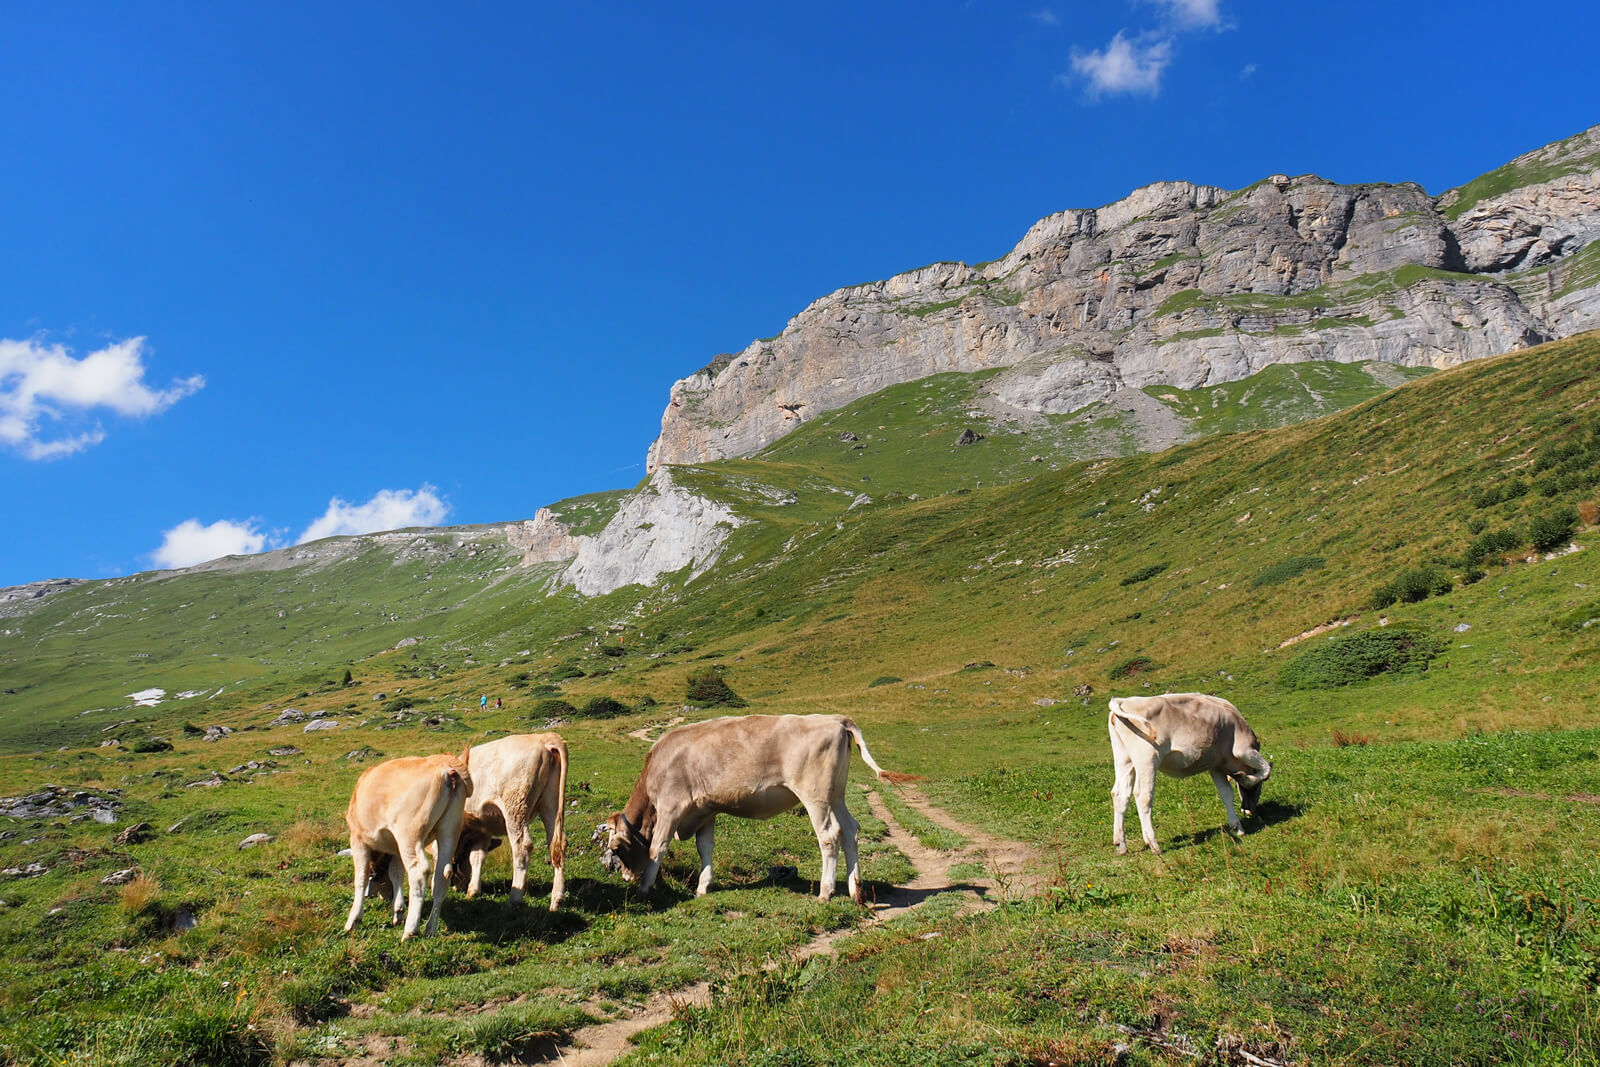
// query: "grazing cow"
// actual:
[[754, 767], [398, 809], [1181, 734], [513, 778]]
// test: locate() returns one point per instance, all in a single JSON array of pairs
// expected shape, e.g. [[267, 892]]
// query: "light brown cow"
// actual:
[[1181, 734], [754, 767], [514, 778], [398, 809]]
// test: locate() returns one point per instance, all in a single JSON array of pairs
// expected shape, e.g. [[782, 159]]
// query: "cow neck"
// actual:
[[640, 811]]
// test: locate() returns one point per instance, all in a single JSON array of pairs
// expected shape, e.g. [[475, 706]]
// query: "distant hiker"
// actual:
[[483, 701], [497, 703]]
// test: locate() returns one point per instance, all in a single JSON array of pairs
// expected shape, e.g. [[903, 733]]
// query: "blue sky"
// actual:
[[273, 271]]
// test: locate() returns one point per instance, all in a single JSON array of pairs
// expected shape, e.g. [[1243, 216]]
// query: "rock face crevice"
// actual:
[[1186, 285]]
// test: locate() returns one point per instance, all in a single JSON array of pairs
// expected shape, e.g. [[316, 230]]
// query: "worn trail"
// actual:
[[1010, 869]]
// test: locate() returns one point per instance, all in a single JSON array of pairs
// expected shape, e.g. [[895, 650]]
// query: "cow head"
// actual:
[[627, 849], [474, 836], [1249, 781]]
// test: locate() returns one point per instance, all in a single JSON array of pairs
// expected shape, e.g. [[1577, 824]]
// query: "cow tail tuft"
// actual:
[[861, 743], [558, 839]]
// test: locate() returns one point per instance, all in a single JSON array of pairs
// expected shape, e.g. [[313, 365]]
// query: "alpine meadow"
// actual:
[[1352, 489]]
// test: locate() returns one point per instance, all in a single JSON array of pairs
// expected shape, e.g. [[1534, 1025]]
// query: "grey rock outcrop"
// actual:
[[1186, 285], [542, 539], [660, 529]]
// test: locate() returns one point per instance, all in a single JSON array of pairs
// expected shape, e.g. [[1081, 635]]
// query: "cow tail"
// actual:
[[558, 838], [861, 743], [1137, 723]]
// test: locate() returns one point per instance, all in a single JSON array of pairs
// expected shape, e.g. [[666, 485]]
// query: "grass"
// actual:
[[1425, 893]]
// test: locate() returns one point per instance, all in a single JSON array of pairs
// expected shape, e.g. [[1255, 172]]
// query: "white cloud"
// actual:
[[389, 509], [1045, 17], [189, 543], [1124, 66], [1193, 14], [47, 397]]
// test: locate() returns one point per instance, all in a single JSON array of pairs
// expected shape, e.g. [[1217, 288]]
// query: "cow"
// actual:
[[514, 778], [755, 767], [1181, 734], [398, 809]]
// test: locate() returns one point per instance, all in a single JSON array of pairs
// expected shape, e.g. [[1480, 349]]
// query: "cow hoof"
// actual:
[[1122, 850], [1155, 849]]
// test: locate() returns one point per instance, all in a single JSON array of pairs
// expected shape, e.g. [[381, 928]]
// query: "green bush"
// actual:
[[553, 708], [1289, 568], [1413, 585], [395, 705], [887, 679], [707, 688], [1345, 660], [153, 744], [604, 708], [1550, 530], [1130, 667], [1491, 544], [1144, 574], [562, 671]]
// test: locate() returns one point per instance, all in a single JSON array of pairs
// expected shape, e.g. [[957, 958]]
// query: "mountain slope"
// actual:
[[1185, 285]]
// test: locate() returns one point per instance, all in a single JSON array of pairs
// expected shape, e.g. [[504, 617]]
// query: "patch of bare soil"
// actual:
[[658, 728]]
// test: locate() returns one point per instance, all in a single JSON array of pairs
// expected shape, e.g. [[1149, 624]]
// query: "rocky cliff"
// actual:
[[1186, 285]]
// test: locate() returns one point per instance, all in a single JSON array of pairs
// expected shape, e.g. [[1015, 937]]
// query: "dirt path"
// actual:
[[1011, 869], [643, 732]]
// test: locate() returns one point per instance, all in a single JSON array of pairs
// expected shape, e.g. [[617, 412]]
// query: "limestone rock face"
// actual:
[[542, 539], [661, 528], [1186, 285]]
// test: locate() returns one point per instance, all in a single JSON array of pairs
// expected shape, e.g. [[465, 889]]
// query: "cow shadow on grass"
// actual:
[[1268, 813]]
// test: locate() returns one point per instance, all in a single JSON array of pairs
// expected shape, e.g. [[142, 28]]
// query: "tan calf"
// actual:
[[513, 779], [398, 809]]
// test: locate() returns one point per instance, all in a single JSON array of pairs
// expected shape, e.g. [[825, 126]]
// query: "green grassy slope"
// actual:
[[1422, 886]]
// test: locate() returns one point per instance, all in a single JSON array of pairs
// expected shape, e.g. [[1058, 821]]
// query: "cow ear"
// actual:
[[466, 755], [618, 827]]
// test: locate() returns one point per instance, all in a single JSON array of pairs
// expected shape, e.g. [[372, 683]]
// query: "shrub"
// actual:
[[153, 744], [553, 708], [887, 679], [1345, 660], [1550, 530], [1289, 568], [1130, 667], [604, 708], [191, 730], [1344, 740], [562, 671], [347, 679], [1491, 544], [1412, 586], [395, 705], [1144, 574], [707, 688]]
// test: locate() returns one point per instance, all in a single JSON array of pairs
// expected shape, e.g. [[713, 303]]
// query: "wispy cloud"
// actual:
[[1193, 14], [1045, 17], [389, 509], [1124, 65], [48, 397], [189, 543]]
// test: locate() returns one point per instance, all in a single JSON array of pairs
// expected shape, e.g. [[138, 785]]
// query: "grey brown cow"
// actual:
[[1181, 734], [515, 778], [399, 808], [755, 767]]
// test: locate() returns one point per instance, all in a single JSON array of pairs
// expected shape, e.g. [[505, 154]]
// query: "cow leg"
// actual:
[[441, 877], [397, 893], [521, 847], [848, 828], [1121, 793], [415, 859], [1144, 792], [1225, 791], [703, 841], [829, 832], [360, 857], [659, 843], [549, 808], [475, 869]]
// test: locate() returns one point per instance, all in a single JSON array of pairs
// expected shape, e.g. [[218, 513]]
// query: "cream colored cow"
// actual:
[[1181, 734], [515, 778], [398, 809], [755, 767]]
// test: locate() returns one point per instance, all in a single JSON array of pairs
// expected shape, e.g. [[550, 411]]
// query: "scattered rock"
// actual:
[[52, 801], [362, 754], [848, 436], [32, 870], [1463, 627], [139, 831], [216, 733], [215, 780], [120, 877], [283, 750], [969, 436], [255, 839], [288, 716], [113, 743], [1084, 690], [1046, 702], [321, 724]]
